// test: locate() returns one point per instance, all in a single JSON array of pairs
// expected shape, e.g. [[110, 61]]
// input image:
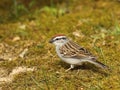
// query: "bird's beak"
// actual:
[[51, 41]]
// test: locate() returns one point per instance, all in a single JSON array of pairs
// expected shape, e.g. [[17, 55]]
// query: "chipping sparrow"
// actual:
[[72, 53]]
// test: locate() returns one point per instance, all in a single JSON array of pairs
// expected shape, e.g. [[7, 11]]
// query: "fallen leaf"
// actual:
[[17, 38]]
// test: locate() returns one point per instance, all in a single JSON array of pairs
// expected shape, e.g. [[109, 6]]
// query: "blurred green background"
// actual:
[[27, 26]]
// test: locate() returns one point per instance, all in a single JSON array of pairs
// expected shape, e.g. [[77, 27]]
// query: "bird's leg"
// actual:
[[71, 67], [79, 69]]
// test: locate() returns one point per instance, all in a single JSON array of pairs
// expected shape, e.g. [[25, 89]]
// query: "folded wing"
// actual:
[[73, 50]]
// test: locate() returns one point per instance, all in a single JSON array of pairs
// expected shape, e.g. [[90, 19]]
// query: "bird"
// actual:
[[72, 53]]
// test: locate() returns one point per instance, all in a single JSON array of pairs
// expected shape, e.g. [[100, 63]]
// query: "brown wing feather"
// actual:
[[73, 50]]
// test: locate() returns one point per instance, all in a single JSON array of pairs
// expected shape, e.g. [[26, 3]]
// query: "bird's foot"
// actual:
[[71, 67]]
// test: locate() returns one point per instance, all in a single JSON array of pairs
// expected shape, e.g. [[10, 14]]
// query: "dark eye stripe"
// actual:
[[63, 38], [60, 38]]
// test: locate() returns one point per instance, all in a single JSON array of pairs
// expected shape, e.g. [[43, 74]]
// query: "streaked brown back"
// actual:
[[73, 50]]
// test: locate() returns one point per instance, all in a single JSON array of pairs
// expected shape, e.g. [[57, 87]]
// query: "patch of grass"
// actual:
[[94, 19], [116, 30]]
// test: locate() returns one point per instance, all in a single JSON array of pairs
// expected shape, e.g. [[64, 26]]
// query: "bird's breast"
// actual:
[[67, 60]]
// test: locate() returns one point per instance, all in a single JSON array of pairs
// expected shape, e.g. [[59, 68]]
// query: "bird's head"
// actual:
[[59, 40]]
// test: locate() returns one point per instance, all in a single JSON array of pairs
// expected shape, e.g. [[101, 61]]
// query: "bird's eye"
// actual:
[[57, 39]]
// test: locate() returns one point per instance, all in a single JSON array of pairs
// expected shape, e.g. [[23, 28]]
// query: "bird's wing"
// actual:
[[72, 50]]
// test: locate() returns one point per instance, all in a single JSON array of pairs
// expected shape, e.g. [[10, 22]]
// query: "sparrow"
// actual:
[[72, 53]]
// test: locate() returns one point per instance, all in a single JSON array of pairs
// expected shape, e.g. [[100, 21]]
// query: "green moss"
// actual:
[[95, 19]]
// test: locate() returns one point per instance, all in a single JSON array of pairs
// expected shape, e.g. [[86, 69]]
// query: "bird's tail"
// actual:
[[99, 64]]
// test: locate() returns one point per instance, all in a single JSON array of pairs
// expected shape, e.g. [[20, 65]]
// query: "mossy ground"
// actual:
[[98, 24]]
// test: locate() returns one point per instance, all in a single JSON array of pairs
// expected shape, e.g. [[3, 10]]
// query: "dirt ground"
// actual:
[[29, 62]]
